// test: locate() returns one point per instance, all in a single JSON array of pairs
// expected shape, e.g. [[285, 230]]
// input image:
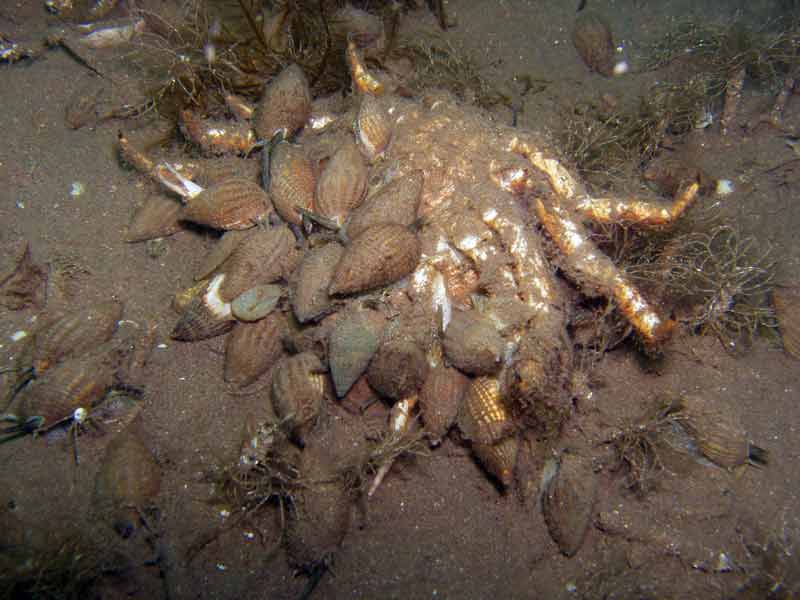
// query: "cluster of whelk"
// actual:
[[394, 247], [401, 255]]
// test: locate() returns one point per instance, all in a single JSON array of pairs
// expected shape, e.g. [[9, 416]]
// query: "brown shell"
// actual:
[[292, 183], [498, 459], [593, 41], [284, 106], [298, 388], [216, 137], [311, 280], [75, 334], [211, 171], [787, 311], [320, 513], [396, 202], [204, 318], [352, 344], [264, 256], [440, 399], [75, 383], [342, 184], [473, 344], [379, 256], [23, 283], [718, 434], [373, 127], [127, 482], [183, 298], [252, 348], [158, 217], [568, 502], [232, 204], [483, 417], [220, 252], [398, 369]]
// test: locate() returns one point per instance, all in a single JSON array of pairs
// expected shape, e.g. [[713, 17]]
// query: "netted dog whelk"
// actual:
[[420, 261]]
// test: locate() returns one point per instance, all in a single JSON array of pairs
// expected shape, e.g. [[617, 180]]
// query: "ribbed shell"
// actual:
[[285, 104], [158, 217], [310, 282], [206, 316], [593, 41], [396, 202], [292, 181], [473, 344], [398, 369], [217, 137], [252, 348], [373, 127], [298, 388], [75, 334], [440, 399], [483, 417], [718, 434], [498, 459], [75, 383], [568, 502], [128, 480], [233, 204], [264, 256], [353, 342], [379, 256], [787, 311], [211, 171], [220, 252], [342, 184]]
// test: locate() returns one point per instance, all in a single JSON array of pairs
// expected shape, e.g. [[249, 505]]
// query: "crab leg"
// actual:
[[637, 212], [594, 270]]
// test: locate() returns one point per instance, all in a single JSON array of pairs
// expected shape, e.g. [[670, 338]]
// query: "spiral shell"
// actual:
[[440, 399], [398, 369], [373, 127], [292, 182], [396, 202], [787, 311], [207, 314], [75, 383], [217, 137], [158, 217], [568, 502], [220, 252], [310, 282], [252, 348], [233, 204], [718, 434], [483, 417], [473, 344], [127, 482], [353, 342], [342, 184], [264, 256], [592, 39], [285, 105], [298, 388], [380, 255], [74, 334], [498, 459]]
